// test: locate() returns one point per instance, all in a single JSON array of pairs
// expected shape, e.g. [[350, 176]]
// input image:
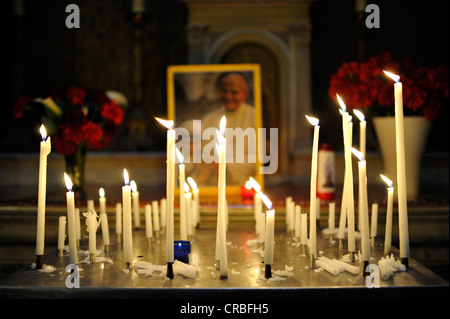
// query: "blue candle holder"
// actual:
[[182, 249]]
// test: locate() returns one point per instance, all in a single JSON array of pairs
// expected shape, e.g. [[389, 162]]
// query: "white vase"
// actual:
[[416, 134]]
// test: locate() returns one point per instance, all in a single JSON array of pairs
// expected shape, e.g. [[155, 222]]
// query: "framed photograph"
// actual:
[[199, 96]]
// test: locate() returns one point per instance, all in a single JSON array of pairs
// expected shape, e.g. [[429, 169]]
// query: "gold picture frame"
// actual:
[[192, 96]]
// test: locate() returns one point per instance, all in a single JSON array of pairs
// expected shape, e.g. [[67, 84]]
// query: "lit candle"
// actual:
[[104, 219], [181, 172], [313, 190], [170, 186], [362, 131], [270, 234], [136, 204], [61, 234], [118, 220], [221, 248], [364, 214], [127, 226], [70, 199], [148, 221], [260, 219], [389, 209], [331, 218], [374, 223], [42, 191], [348, 179], [401, 170], [155, 213], [196, 201]]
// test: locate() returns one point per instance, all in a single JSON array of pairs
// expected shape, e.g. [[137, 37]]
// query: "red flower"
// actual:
[[112, 112], [93, 135], [76, 95], [19, 106]]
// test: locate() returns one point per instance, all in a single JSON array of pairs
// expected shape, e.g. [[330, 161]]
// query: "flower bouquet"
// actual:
[[77, 119]]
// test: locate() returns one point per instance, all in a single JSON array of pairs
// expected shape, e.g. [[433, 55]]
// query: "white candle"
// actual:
[[61, 232], [91, 223], [270, 230], [163, 204], [288, 214], [138, 6], [127, 225], [90, 204], [118, 218], [401, 168], [304, 229], [313, 188], [188, 200], [389, 209], [136, 204], [331, 218], [148, 221], [170, 186], [364, 206], [195, 201], [70, 199], [221, 248], [42, 191], [362, 131], [78, 224], [104, 217], [260, 219], [348, 180], [181, 177], [297, 221], [374, 221], [155, 214]]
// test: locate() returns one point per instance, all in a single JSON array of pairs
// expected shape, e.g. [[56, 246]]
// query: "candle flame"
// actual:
[[192, 183], [387, 180], [223, 124], [43, 132], [266, 201], [186, 187], [126, 178], [133, 186], [357, 153], [248, 185], [314, 121], [393, 76], [359, 115], [101, 192], [68, 181], [341, 103], [180, 156], [220, 138], [255, 184], [167, 123]]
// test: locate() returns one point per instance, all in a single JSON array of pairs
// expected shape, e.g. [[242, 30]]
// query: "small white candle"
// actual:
[[374, 220], [118, 218], [155, 214], [313, 188], [70, 199], [90, 204], [401, 167], [181, 176], [42, 191], [364, 206], [78, 224], [260, 219], [170, 186], [61, 232], [136, 205], [362, 131], [270, 230], [304, 229], [91, 223], [195, 201], [297, 221], [288, 213], [127, 225], [389, 209], [331, 218], [148, 221], [163, 203], [104, 217]]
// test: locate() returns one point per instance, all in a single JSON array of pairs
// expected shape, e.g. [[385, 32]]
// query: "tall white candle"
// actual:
[[374, 220], [136, 204], [195, 201], [163, 203], [148, 221], [364, 206], [181, 177], [42, 191], [348, 186], [127, 224], [118, 218], [188, 200], [78, 224], [304, 229], [61, 232], [389, 209], [170, 186], [313, 188], [70, 200], [401, 167], [297, 221], [260, 219], [331, 217], [104, 217], [362, 131], [155, 215], [288, 214], [270, 230]]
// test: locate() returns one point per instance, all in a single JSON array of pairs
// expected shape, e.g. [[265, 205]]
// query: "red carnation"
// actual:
[[93, 135], [76, 95], [112, 112]]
